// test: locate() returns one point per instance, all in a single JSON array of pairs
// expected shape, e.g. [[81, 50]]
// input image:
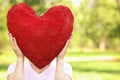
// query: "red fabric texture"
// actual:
[[40, 38]]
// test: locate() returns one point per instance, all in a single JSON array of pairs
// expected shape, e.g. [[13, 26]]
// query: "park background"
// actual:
[[94, 51]]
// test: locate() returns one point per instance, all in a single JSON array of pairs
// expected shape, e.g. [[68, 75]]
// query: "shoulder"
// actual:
[[12, 67], [67, 67]]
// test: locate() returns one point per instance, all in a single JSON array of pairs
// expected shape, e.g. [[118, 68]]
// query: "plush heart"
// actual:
[[40, 38]]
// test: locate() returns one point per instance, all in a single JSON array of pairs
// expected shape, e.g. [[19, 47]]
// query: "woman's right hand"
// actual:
[[15, 47], [18, 74]]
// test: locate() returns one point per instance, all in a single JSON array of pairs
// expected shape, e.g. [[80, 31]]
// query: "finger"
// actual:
[[68, 41], [15, 42], [10, 36], [11, 39], [16, 46], [71, 37], [66, 45]]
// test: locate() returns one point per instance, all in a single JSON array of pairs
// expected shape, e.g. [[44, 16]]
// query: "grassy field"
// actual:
[[81, 70], [96, 70]]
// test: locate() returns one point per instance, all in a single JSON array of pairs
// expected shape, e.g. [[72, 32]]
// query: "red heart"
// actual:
[[41, 38]]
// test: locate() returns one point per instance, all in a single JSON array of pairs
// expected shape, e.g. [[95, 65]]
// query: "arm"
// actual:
[[19, 69], [59, 73]]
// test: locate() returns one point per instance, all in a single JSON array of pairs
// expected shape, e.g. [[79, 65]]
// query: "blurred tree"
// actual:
[[96, 24], [99, 20], [4, 6]]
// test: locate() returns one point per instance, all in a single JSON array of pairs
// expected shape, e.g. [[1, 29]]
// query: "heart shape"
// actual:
[[40, 38]]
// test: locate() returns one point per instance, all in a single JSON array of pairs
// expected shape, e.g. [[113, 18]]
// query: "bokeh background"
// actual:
[[94, 51]]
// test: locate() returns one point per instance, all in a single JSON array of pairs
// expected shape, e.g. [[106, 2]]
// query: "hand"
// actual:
[[64, 50], [15, 47], [59, 72]]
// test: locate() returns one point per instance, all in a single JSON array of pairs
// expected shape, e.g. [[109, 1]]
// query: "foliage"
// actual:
[[100, 19], [94, 20]]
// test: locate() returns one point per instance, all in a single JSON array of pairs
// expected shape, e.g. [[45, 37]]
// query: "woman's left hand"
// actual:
[[59, 73], [64, 50]]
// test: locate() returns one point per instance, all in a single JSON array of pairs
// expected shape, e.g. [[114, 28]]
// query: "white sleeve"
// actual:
[[11, 68], [68, 69]]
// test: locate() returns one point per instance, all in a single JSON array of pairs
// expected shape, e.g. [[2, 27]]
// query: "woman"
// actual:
[[58, 69]]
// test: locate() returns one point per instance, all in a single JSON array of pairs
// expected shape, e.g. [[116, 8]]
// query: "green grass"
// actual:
[[93, 53], [81, 70], [96, 70]]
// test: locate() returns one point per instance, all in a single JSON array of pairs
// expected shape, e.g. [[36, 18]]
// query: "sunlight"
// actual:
[[76, 2]]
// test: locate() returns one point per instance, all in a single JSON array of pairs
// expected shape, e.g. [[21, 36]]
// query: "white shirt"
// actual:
[[48, 74]]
